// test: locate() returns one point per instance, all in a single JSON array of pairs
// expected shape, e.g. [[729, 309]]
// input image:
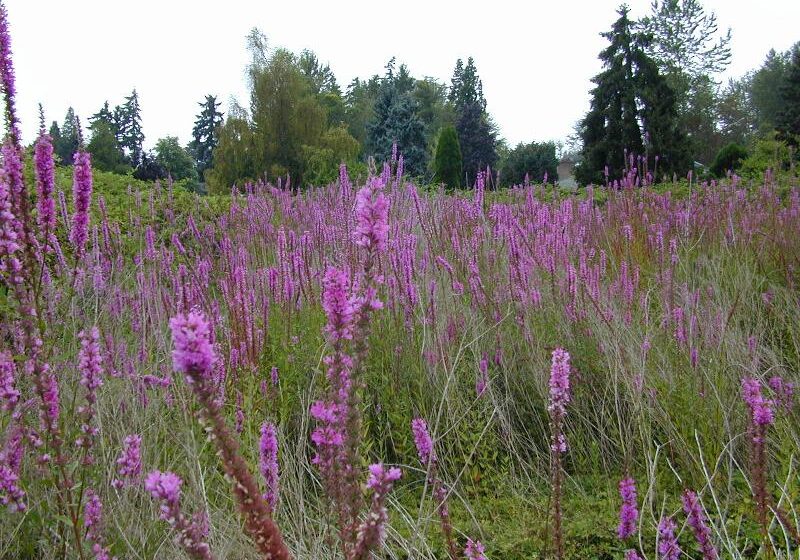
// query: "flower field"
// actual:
[[377, 369]]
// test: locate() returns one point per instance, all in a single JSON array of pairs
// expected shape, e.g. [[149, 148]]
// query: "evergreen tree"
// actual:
[[69, 138], [395, 122], [766, 84], [105, 114], [129, 123], [466, 87], [476, 133], [149, 169], [533, 161], [55, 134], [478, 140], [628, 91], [447, 162], [205, 134], [788, 125]]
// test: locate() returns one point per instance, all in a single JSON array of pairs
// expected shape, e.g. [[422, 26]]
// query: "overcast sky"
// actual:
[[535, 58]]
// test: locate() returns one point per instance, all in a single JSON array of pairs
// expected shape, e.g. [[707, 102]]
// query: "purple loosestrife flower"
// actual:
[[423, 441], [9, 395], [11, 494], [92, 520], [628, 513], [372, 530], [668, 548], [632, 555], [760, 408], [191, 534], [90, 364], [474, 550], [129, 462], [10, 230], [81, 199], [428, 459], [45, 183], [557, 407], [7, 76], [698, 522], [559, 396], [193, 354], [337, 304], [372, 217], [268, 461]]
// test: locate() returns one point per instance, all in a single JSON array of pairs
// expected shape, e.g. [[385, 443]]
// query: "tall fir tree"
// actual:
[[466, 86], [478, 139], [395, 121], [69, 138], [205, 134], [447, 162], [105, 114], [55, 135], [628, 91], [129, 125], [477, 134], [788, 124]]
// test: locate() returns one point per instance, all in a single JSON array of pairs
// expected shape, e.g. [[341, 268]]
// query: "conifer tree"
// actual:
[[629, 91], [789, 118], [476, 133], [129, 126], [447, 162], [395, 121], [205, 134], [68, 138]]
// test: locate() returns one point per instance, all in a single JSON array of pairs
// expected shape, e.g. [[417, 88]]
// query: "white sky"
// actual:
[[535, 58]]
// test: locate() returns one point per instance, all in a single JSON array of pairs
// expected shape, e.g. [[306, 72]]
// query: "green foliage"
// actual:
[[532, 161], [628, 91], [286, 115], [765, 89], [729, 158], [205, 134], [395, 121], [433, 109], [66, 139], [447, 162], [128, 119], [360, 106], [175, 159], [788, 124], [768, 152], [335, 148], [477, 134], [234, 156], [466, 86], [105, 150]]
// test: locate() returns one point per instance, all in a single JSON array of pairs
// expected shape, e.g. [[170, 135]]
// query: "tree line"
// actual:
[[656, 103]]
